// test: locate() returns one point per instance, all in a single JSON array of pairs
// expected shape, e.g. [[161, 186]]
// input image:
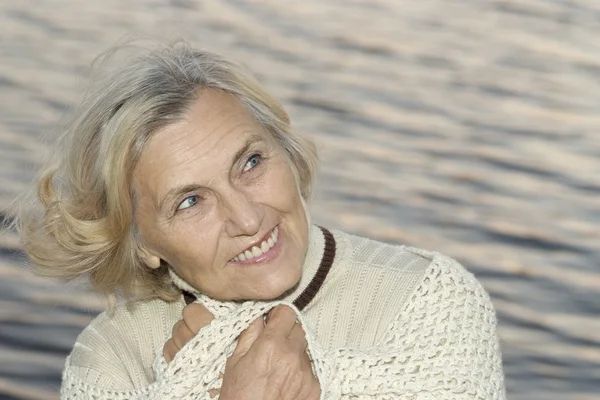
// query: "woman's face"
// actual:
[[217, 200]]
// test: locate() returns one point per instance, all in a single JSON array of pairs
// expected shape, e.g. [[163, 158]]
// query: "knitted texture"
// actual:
[[441, 344], [196, 369]]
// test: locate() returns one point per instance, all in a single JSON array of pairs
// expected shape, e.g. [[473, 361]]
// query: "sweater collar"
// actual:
[[317, 262]]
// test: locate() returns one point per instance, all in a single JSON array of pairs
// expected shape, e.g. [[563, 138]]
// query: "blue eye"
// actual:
[[252, 162], [188, 202]]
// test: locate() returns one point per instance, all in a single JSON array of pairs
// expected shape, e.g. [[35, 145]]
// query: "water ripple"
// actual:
[[467, 127]]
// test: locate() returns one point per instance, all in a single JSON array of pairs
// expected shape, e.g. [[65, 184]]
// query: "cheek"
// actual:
[[193, 239], [293, 204], [181, 244], [283, 186]]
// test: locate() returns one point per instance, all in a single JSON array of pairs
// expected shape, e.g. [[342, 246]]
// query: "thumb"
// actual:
[[247, 339]]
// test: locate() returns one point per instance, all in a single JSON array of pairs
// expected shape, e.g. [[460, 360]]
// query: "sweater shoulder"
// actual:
[[116, 350], [374, 253], [374, 282], [445, 288], [377, 254], [452, 318], [370, 282]]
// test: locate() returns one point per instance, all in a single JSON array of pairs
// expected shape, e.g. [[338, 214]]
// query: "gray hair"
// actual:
[[80, 219]]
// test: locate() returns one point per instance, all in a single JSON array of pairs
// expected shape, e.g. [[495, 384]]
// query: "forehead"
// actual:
[[215, 127], [215, 121], [214, 117]]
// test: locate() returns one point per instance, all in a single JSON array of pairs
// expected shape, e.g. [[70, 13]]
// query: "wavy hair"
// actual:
[[77, 219]]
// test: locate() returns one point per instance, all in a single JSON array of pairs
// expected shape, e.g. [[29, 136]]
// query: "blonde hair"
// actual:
[[79, 218]]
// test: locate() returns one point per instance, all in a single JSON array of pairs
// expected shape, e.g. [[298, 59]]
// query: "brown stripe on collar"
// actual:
[[317, 281], [315, 284]]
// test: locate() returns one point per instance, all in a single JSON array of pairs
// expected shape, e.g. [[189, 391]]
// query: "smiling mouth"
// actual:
[[256, 251]]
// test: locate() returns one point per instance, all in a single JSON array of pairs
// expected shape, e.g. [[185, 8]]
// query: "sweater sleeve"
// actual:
[[441, 345]]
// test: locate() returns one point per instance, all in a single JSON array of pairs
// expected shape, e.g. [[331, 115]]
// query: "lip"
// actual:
[[270, 255]]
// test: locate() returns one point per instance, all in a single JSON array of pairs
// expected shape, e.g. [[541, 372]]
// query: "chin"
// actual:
[[277, 289]]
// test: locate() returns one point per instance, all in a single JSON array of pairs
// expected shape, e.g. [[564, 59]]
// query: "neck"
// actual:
[[317, 263]]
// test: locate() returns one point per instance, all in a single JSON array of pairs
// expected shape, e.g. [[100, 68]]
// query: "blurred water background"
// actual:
[[469, 127]]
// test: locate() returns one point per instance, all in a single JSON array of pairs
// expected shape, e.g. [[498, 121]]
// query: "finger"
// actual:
[[181, 333], [169, 350], [297, 338], [280, 321], [247, 338], [196, 317]]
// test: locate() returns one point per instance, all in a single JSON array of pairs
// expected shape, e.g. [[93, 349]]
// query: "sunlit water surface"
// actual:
[[469, 127]]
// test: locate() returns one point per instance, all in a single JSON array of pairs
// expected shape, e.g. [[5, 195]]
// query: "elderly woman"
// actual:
[[178, 180]]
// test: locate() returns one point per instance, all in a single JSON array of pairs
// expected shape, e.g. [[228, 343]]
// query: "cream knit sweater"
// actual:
[[389, 322]]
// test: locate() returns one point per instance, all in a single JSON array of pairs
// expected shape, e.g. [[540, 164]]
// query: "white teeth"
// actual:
[[264, 246], [259, 250]]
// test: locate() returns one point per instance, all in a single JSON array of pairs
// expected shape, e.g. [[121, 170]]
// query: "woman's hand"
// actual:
[[194, 317], [270, 361]]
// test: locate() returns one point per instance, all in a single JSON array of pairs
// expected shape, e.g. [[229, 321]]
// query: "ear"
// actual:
[[151, 260]]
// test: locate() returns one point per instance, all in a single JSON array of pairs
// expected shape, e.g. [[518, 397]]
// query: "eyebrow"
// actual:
[[179, 190], [253, 139]]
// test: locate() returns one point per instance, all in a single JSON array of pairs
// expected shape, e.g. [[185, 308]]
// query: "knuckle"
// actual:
[[277, 349], [287, 310], [279, 314], [267, 349], [169, 350], [281, 310], [269, 342], [290, 363], [205, 318], [177, 328], [189, 312], [286, 313], [196, 317]]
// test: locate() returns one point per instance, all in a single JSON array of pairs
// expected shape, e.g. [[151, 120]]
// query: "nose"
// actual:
[[242, 215]]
